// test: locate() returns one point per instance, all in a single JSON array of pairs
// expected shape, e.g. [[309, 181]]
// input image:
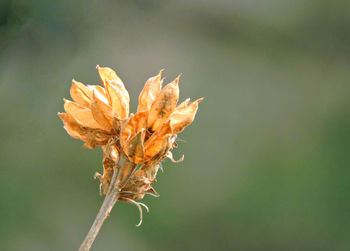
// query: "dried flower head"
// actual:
[[99, 116]]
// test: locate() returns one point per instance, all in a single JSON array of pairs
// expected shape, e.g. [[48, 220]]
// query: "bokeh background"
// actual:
[[267, 160]]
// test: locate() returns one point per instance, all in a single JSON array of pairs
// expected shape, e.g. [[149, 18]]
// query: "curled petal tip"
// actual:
[[97, 67], [138, 206], [170, 156], [200, 100], [177, 79], [153, 192], [97, 175], [159, 76], [145, 206]]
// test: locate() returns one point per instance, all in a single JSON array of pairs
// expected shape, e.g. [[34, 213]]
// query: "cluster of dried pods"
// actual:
[[99, 116]]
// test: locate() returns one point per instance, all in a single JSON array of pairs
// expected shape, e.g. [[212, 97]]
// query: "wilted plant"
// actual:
[[134, 145]]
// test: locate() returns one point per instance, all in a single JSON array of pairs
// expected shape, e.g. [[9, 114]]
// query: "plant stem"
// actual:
[[107, 205], [117, 182]]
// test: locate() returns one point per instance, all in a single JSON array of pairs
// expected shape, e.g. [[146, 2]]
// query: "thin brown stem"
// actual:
[[111, 198]]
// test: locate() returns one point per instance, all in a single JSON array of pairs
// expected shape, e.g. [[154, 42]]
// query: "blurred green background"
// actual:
[[267, 160]]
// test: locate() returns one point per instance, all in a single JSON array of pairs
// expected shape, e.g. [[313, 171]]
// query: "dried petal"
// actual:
[[184, 116], [92, 136], [101, 112], [107, 74], [164, 105], [150, 91], [183, 104], [158, 142], [71, 126], [80, 94], [96, 137], [135, 149], [81, 114], [99, 92], [134, 125], [118, 84], [118, 102]]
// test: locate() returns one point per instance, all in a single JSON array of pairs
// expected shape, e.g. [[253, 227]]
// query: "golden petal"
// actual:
[[183, 116], [158, 146], [183, 104], [158, 141], [135, 149], [92, 136], [163, 105], [71, 126], [134, 125], [150, 91], [118, 102], [100, 92], [102, 113], [80, 93], [121, 88], [107, 74], [83, 87], [81, 114]]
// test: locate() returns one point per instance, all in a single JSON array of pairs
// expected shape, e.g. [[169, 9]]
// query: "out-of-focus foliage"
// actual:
[[267, 161]]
